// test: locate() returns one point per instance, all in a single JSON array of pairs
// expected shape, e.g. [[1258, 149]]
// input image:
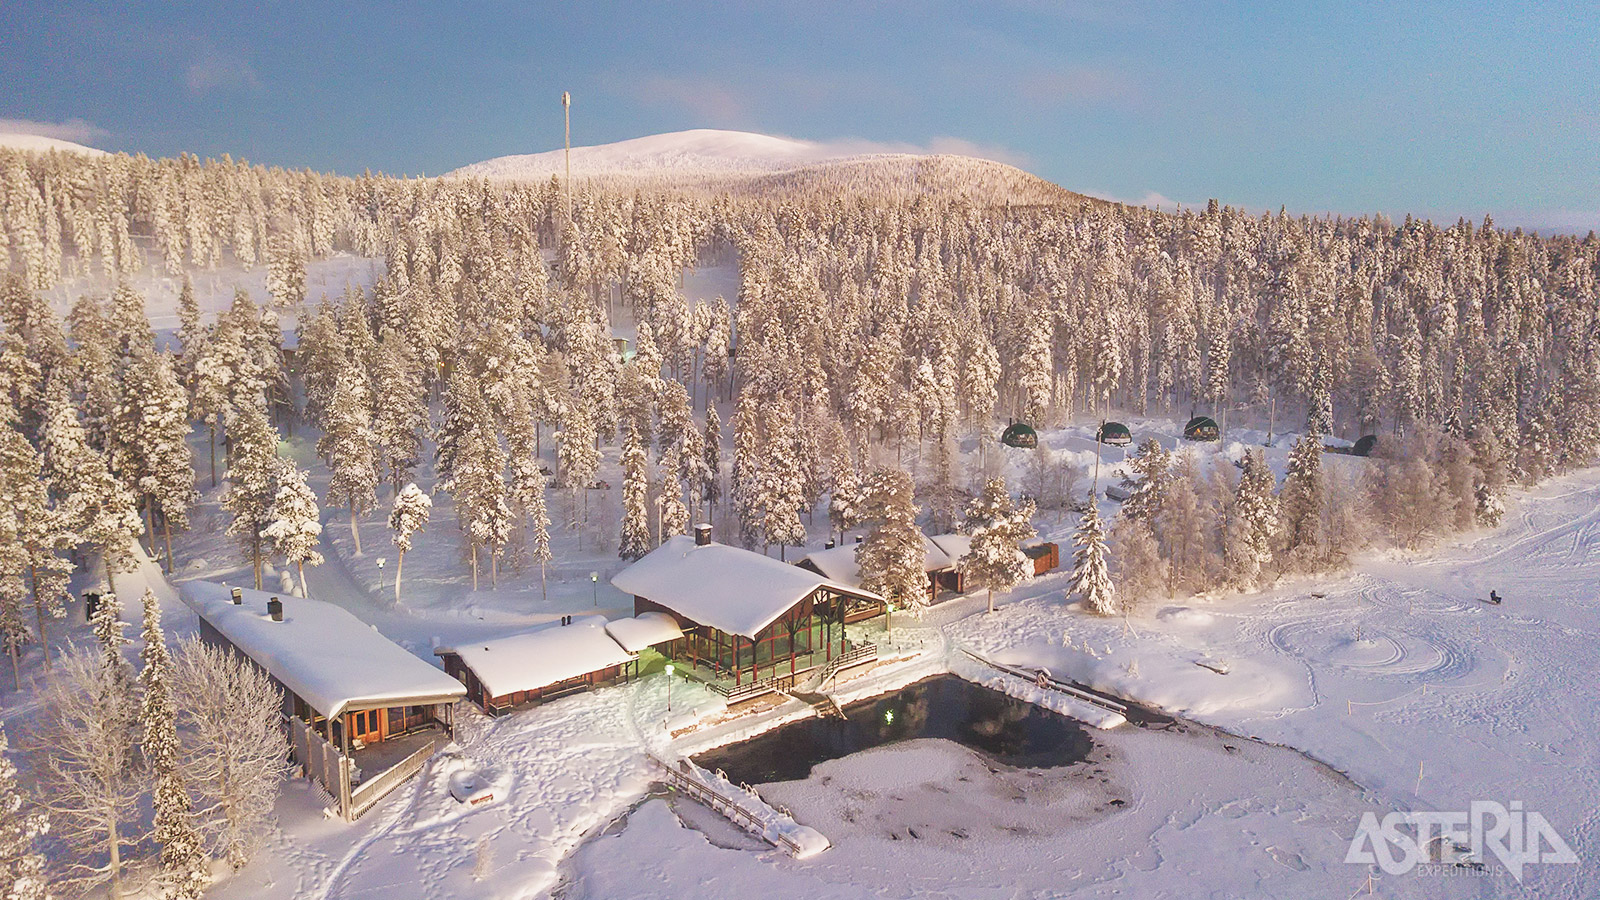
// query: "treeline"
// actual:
[[862, 333]]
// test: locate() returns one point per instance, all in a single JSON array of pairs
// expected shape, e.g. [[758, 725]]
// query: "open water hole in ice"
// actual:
[[1010, 731]]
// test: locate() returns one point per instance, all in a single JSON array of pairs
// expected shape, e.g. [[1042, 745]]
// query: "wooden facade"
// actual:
[[1046, 557], [503, 703], [357, 725]]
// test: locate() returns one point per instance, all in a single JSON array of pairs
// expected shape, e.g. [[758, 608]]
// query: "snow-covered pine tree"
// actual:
[[1091, 578], [183, 862], [1301, 502], [1254, 524], [235, 751], [1147, 480], [347, 444], [673, 512], [95, 507], [157, 416], [998, 527], [400, 410], [253, 469], [711, 449], [473, 465], [323, 356], [38, 533], [22, 866], [1489, 462], [295, 528], [412, 509], [635, 541], [892, 554], [192, 336], [845, 500]]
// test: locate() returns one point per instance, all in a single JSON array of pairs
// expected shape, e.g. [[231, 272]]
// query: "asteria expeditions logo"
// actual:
[[1486, 832]]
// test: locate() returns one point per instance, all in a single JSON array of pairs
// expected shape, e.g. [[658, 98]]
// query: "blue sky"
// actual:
[[1346, 107]]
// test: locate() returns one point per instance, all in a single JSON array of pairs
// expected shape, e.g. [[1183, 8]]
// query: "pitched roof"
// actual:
[[940, 552], [536, 659], [733, 590], [321, 652], [644, 630]]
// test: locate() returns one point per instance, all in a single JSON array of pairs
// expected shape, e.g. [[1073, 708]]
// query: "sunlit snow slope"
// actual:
[[38, 144], [744, 163]]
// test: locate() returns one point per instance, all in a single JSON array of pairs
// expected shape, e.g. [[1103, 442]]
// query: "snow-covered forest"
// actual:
[[868, 343]]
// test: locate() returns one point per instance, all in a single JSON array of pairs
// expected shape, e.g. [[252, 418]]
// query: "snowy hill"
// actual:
[[34, 143], [745, 163]]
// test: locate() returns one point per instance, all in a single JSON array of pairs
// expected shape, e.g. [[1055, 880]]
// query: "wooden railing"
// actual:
[[370, 792], [1044, 680], [321, 761], [731, 809], [855, 656]]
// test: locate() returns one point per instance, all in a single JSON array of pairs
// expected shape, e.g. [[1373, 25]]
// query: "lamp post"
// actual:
[[566, 114], [669, 687], [381, 561], [594, 587]]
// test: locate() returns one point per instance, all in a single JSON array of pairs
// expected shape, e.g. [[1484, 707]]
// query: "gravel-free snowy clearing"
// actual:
[[1397, 671]]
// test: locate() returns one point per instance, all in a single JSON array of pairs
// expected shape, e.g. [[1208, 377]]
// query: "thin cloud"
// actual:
[[953, 146], [1079, 84], [75, 130], [706, 98], [217, 71]]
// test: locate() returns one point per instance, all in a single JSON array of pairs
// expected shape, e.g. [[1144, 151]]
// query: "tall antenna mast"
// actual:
[[566, 113]]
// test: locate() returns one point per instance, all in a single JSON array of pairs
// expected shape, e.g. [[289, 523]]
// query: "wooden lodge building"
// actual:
[[941, 554], [354, 700], [750, 623], [550, 662]]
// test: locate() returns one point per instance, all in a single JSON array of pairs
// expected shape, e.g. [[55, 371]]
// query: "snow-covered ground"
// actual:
[[1389, 687], [1397, 669]]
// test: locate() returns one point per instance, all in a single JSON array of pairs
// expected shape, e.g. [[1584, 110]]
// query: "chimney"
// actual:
[[860, 538], [830, 544], [275, 609], [238, 596], [702, 535]]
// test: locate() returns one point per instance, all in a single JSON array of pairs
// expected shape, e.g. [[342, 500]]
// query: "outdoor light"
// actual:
[[888, 717], [594, 587], [669, 687], [381, 561]]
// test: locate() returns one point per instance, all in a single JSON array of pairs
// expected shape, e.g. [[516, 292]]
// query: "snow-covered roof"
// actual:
[[940, 552], [954, 546], [644, 630], [322, 653], [732, 590], [536, 659]]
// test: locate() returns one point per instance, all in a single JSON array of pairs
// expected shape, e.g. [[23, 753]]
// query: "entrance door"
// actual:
[[365, 726]]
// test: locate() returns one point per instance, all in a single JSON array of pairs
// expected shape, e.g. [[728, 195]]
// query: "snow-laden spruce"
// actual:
[[182, 859], [295, 526], [1091, 578], [998, 527], [412, 509]]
